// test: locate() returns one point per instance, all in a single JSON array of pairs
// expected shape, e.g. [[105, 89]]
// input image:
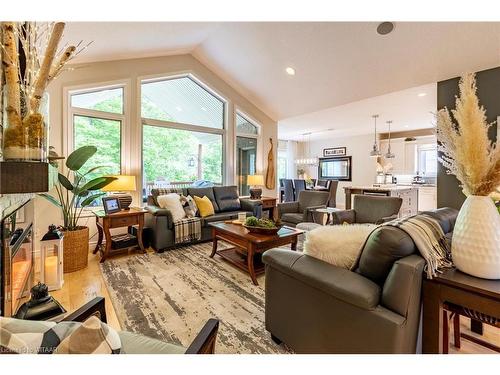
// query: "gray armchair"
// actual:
[[315, 307], [369, 209], [293, 213]]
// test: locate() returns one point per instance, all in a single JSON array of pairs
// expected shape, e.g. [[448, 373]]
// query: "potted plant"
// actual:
[[75, 191], [468, 153]]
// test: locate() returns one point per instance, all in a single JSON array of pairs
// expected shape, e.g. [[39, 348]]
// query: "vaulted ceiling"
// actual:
[[335, 62]]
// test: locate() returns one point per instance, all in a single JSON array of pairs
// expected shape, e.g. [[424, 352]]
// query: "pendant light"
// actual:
[[389, 154], [375, 152], [312, 161]]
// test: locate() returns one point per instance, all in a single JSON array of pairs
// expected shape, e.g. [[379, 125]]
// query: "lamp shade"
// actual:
[[122, 183], [255, 179]]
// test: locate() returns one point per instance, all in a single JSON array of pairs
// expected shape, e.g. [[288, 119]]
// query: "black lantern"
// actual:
[[41, 306]]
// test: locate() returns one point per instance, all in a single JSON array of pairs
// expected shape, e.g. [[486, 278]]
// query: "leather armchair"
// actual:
[[315, 307], [369, 209], [293, 213]]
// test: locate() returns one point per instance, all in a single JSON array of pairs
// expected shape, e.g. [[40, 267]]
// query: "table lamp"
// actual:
[[119, 187], [255, 180]]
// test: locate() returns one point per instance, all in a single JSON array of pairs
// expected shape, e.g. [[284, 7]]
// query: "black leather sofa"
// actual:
[[316, 307], [225, 200]]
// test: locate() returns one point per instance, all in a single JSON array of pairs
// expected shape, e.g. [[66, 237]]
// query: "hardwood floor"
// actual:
[[81, 286]]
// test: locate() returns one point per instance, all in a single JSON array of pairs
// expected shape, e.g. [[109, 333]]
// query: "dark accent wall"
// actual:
[[449, 193]]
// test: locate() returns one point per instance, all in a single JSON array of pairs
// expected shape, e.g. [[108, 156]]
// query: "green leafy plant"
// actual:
[[76, 190]]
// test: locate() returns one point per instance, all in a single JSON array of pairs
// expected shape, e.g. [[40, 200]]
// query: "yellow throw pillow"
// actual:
[[205, 206]]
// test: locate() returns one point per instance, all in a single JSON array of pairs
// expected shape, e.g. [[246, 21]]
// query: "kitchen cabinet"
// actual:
[[427, 198], [405, 155]]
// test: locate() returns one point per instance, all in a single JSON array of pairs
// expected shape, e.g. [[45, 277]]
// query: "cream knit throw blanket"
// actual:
[[429, 239]]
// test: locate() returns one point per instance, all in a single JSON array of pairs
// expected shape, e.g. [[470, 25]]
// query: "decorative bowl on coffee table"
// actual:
[[262, 230]]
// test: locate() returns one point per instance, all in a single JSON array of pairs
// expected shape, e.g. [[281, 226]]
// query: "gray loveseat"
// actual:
[[315, 307], [225, 200]]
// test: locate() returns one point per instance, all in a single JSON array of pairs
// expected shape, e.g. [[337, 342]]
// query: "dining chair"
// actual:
[[332, 201], [288, 195], [299, 185]]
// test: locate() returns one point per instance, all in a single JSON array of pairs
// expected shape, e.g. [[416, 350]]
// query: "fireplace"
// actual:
[[17, 258]]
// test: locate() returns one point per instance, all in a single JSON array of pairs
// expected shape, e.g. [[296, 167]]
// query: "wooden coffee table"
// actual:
[[249, 245]]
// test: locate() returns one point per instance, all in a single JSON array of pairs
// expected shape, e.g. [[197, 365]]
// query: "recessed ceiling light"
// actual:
[[385, 28], [422, 94], [203, 109], [178, 108], [290, 71], [406, 126]]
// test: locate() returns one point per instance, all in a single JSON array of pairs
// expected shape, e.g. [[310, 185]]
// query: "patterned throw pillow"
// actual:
[[172, 202], [189, 206], [31, 337]]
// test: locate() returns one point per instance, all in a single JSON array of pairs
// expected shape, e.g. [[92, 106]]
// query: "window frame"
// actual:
[[179, 125], [70, 112], [257, 137]]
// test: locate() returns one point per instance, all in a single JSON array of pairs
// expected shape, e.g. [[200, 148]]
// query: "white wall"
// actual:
[[363, 166], [132, 70]]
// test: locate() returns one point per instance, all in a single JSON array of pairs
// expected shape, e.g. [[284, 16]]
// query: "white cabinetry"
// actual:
[[405, 160], [409, 205], [427, 198]]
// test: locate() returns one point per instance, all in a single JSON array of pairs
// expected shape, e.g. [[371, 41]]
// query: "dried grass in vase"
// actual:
[[467, 152]]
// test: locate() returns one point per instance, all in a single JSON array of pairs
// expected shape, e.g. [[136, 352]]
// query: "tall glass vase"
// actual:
[[26, 139]]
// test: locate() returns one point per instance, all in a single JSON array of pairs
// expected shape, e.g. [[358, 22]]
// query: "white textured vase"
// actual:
[[475, 247]]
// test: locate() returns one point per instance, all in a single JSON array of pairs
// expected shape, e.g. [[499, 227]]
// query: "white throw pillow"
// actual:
[[339, 245], [172, 202]]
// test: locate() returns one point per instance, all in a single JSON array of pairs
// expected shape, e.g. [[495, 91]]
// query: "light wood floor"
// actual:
[[81, 286]]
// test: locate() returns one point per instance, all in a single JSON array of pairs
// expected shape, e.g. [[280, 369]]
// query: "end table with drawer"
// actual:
[[125, 218]]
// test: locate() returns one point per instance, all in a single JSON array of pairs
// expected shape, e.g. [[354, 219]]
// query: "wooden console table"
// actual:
[[455, 287], [124, 218]]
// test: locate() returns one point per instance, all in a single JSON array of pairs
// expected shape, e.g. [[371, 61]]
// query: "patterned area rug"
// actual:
[[170, 296]]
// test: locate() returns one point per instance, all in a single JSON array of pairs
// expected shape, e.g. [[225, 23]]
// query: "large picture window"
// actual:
[[183, 134], [96, 118]]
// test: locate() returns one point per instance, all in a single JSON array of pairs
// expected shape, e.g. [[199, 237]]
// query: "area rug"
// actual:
[[170, 296]]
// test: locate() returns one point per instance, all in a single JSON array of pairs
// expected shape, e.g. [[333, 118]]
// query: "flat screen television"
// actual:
[[335, 168]]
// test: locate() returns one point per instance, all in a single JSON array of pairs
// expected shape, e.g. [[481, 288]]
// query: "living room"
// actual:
[[208, 186]]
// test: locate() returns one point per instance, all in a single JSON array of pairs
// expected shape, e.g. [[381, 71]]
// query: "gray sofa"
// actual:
[[369, 209], [315, 307], [225, 200]]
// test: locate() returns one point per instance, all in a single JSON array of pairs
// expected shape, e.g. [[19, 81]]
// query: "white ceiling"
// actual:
[[405, 108], [336, 62]]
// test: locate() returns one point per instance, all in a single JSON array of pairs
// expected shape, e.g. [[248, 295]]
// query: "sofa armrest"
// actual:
[[339, 283], [344, 216], [157, 211], [252, 205], [386, 219], [287, 207]]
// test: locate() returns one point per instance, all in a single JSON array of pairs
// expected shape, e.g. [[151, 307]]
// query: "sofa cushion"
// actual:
[[133, 343], [201, 192], [383, 247], [227, 198], [220, 216], [292, 217]]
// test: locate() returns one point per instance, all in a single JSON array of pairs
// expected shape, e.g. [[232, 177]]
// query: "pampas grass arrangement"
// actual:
[[467, 152]]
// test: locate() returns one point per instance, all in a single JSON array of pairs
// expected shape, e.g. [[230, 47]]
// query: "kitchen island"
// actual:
[[409, 194]]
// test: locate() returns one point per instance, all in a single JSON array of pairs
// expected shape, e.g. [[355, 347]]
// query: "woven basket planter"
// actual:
[[76, 249]]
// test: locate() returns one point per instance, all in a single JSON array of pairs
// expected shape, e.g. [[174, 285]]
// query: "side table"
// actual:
[[124, 218], [328, 211], [453, 286]]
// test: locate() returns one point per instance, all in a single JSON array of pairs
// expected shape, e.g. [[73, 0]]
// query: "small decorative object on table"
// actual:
[[51, 256], [111, 205], [474, 159], [262, 226], [119, 187], [255, 181], [41, 306]]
